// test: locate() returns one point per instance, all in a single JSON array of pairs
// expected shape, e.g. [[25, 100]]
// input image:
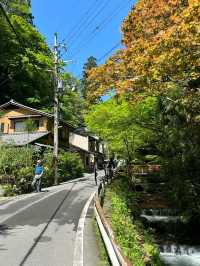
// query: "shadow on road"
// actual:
[[4, 229], [62, 208]]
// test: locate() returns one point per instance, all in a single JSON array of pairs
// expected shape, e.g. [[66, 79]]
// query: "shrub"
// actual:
[[16, 168], [8, 190], [14, 158], [136, 243], [48, 176], [24, 179], [70, 166]]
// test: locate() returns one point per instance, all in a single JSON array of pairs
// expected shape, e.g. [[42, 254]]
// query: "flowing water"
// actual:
[[160, 215], [172, 254], [180, 255]]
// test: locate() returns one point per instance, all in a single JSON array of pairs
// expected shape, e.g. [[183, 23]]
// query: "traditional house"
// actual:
[[14, 128], [90, 147]]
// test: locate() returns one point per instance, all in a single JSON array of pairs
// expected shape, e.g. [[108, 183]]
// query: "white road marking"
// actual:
[[29, 205], [19, 198], [16, 199], [78, 250]]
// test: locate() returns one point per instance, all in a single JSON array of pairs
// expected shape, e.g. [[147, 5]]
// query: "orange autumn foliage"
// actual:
[[161, 41]]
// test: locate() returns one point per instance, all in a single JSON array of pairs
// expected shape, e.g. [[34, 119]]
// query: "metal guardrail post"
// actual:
[[114, 252], [107, 242]]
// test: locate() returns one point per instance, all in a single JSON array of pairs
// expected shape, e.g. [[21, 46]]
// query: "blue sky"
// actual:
[[89, 27]]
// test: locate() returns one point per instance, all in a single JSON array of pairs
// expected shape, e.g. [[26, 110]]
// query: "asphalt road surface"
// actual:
[[39, 229]]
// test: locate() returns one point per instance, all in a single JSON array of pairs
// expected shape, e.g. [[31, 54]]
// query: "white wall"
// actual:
[[79, 141], [101, 147]]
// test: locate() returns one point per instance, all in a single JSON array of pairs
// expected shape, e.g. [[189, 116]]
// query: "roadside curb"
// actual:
[[114, 251], [32, 194], [78, 251]]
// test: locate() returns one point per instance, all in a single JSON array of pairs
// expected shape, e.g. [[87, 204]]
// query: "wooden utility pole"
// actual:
[[56, 108]]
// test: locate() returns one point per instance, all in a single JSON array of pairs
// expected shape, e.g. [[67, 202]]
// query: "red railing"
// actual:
[[144, 169]]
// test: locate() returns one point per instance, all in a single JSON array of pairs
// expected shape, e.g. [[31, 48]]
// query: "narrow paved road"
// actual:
[[40, 229]]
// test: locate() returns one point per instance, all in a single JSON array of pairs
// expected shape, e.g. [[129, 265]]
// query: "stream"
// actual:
[[180, 255], [159, 215], [168, 226]]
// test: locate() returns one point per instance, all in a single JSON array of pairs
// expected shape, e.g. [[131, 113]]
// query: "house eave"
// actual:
[[19, 105]]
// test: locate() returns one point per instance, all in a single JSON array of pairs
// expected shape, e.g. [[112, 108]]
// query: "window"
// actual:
[[2, 127], [87, 161], [63, 133], [20, 126], [40, 123], [37, 124], [97, 146], [24, 125]]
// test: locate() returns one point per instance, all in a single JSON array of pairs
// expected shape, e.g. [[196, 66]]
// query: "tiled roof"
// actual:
[[73, 148], [21, 139], [14, 103], [83, 131]]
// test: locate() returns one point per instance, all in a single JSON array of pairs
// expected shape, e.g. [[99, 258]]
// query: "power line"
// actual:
[[14, 31], [104, 56], [100, 28], [20, 41], [83, 27], [82, 21], [10, 24], [111, 16], [109, 52]]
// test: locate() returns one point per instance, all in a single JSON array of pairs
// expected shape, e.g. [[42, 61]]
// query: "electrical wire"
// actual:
[[84, 27], [100, 27], [110, 16], [104, 56], [109, 51], [10, 24], [14, 31], [82, 21], [20, 41]]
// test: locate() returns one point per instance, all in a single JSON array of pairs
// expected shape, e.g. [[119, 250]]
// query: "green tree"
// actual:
[[24, 59], [124, 127], [72, 104], [72, 108], [20, 8], [161, 50], [91, 63], [179, 146]]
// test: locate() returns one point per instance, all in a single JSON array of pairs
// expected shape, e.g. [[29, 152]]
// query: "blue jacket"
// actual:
[[39, 169]]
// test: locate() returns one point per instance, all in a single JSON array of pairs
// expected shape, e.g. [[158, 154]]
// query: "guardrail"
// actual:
[[114, 251]]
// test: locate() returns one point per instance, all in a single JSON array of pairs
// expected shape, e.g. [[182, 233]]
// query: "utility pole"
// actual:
[[57, 86], [56, 108]]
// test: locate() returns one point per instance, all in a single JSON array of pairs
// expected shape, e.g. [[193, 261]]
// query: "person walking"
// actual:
[[36, 184], [105, 168], [95, 173], [110, 169]]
